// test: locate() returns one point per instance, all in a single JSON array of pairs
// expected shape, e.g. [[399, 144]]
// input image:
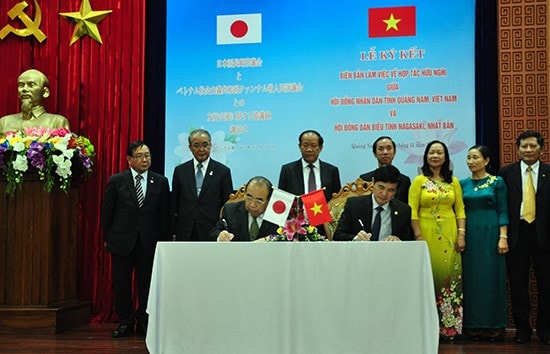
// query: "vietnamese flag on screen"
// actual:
[[316, 208], [239, 29], [392, 21]]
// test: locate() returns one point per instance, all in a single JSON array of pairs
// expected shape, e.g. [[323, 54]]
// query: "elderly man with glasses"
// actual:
[[200, 187], [243, 221]]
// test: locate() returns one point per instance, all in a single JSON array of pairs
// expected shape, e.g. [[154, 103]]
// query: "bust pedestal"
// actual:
[[38, 259]]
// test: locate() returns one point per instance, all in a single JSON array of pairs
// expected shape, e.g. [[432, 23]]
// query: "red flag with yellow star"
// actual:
[[316, 208], [392, 21]]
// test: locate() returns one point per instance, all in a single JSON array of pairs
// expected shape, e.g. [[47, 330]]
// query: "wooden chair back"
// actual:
[[238, 195], [235, 197], [336, 204]]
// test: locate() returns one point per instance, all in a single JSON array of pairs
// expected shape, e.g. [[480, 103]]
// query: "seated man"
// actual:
[[392, 217], [243, 221]]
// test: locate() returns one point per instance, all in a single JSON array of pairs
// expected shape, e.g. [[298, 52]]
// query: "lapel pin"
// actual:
[[211, 173], [395, 212]]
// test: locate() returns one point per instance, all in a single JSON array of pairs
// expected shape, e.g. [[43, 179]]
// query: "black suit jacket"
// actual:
[[512, 177], [236, 217], [291, 178], [123, 220], [403, 190], [203, 211], [361, 208]]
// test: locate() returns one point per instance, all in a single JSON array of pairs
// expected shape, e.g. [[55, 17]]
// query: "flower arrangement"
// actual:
[[296, 229], [487, 183], [449, 306], [51, 152]]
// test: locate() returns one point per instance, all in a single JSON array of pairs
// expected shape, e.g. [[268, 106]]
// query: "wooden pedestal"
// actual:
[[38, 254]]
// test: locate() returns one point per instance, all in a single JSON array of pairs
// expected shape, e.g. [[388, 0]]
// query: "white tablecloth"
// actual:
[[320, 297]]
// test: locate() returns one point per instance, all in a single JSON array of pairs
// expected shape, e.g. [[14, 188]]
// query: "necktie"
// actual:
[[254, 228], [139, 190], [376, 224], [199, 178], [529, 208], [311, 179]]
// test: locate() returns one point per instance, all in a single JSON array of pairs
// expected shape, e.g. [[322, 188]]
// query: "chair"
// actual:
[[336, 204], [235, 197], [238, 195]]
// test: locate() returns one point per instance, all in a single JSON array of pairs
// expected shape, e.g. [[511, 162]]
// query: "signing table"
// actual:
[[285, 297]]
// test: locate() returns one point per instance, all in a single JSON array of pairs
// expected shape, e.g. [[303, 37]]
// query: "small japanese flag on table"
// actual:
[[279, 206]]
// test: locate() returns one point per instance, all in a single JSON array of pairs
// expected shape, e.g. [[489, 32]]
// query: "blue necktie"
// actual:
[[199, 178], [376, 224]]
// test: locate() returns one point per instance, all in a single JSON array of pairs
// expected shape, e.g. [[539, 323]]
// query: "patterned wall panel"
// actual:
[[523, 63], [523, 81]]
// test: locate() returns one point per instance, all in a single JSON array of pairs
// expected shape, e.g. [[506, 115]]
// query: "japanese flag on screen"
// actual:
[[239, 29], [279, 206]]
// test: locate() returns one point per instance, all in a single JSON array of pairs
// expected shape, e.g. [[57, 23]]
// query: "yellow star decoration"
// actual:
[[86, 21], [316, 208], [392, 23]]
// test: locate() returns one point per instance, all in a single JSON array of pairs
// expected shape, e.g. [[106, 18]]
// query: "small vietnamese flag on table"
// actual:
[[392, 21], [316, 208]]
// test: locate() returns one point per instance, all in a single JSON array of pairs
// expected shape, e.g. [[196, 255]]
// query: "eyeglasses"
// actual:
[[142, 156], [253, 200], [197, 146]]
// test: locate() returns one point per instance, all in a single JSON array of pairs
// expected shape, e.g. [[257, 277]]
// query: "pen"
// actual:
[[361, 223], [224, 223]]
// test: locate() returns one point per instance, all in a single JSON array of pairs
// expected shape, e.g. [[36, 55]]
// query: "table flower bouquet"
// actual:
[[53, 153], [297, 229]]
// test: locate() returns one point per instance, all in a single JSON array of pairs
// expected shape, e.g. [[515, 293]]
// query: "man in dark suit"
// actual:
[[200, 187], [309, 173], [244, 220], [357, 222], [384, 151], [529, 235], [135, 215]]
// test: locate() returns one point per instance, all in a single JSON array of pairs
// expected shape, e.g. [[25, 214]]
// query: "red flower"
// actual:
[[72, 143]]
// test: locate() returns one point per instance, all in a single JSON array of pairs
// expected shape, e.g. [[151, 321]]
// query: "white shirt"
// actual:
[[143, 180], [316, 170], [204, 166], [385, 219], [259, 220]]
